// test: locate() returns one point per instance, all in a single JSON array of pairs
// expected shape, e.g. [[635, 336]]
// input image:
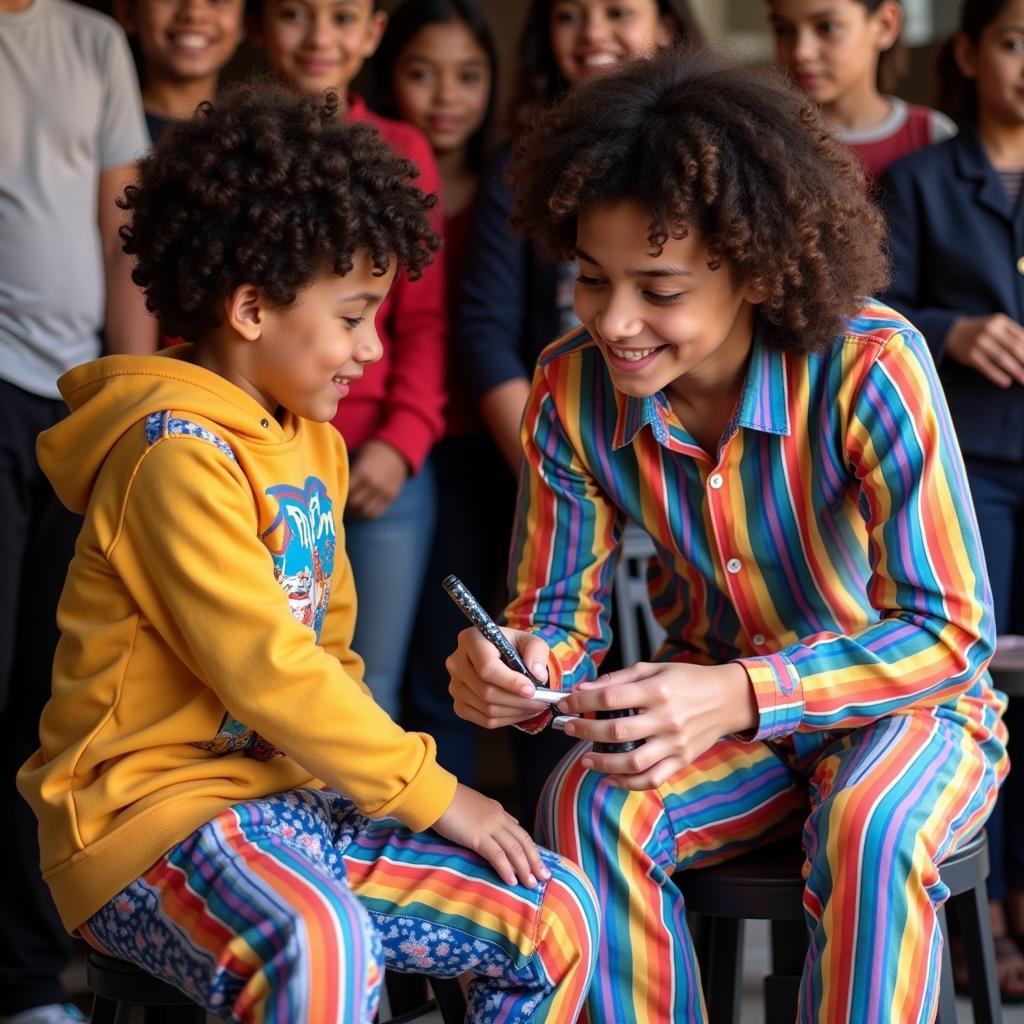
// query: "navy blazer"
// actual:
[[957, 248], [508, 310]]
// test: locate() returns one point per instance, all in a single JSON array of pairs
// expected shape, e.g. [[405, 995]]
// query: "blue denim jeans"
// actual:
[[998, 492], [389, 555]]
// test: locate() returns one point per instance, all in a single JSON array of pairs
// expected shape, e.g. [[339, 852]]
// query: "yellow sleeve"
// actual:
[[189, 552]]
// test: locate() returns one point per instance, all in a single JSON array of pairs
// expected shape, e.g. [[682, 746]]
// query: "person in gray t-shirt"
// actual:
[[72, 129]]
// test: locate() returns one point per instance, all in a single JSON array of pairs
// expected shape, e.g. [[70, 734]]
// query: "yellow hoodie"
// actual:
[[205, 626]]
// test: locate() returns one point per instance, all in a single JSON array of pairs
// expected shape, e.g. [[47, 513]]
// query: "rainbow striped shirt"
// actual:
[[831, 546]]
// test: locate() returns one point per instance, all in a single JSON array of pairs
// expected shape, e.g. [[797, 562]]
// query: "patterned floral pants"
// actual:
[[287, 909]]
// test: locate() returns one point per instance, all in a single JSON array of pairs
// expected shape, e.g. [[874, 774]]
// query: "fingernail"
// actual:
[[526, 691], [539, 670], [545, 874], [531, 881], [587, 763], [569, 729]]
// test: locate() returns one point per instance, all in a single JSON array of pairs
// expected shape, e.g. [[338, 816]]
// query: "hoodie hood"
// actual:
[[109, 396]]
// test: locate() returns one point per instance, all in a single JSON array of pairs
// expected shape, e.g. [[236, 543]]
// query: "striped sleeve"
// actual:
[[934, 632], [566, 530]]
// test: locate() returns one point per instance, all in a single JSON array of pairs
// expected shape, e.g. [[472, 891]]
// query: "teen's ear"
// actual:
[[888, 23], [374, 32], [124, 12], [245, 312], [965, 56]]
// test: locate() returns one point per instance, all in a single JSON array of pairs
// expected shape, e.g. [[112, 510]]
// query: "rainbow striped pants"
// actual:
[[287, 909], [878, 807]]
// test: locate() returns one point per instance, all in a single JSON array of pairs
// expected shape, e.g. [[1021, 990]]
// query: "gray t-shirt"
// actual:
[[69, 109]]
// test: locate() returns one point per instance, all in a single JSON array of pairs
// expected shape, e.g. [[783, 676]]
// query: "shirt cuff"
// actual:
[[779, 694], [541, 721]]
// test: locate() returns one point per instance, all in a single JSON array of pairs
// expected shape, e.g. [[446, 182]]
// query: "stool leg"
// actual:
[[782, 986], [947, 994], [103, 1011], [976, 927], [725, 975], [450, 1000]]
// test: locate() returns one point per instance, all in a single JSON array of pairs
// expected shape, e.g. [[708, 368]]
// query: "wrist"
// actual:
[[739, 701]]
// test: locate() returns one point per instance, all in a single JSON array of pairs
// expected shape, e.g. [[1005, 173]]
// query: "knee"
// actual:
[[333, 939], [850, 835], [569, 913]]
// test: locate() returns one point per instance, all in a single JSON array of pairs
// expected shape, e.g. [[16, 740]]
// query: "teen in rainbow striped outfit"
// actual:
[[787, 447]]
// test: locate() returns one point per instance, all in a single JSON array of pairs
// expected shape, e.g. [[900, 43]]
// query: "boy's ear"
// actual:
[[124, 12], [964, 55], [244, 311], [378, 22], [755, 292], [888, 21]]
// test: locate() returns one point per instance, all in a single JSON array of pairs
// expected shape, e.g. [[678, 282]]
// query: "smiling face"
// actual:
[[303, 357], [185, 40], [832, 47], [996, 65], [592, 37], [314, 45], [442, 81], [663, 322]]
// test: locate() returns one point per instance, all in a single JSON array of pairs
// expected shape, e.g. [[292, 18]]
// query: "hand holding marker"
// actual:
[[474, 611]]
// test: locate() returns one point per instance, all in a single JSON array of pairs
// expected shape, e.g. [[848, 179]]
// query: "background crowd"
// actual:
[[433, 427]]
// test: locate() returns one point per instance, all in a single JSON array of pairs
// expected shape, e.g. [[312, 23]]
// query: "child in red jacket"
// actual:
[[394, 414]]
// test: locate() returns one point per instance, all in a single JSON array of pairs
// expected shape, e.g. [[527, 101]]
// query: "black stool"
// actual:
[[117, 986], [767, 885]]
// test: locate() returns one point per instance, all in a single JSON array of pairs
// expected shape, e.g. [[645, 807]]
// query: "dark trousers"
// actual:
[[476, 497], [37, 538], [998, 491]]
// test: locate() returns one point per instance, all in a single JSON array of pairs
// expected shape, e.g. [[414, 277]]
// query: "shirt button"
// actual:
[[758, 639], [1020, 265], [264, 424], [734, 565], [715, 480]]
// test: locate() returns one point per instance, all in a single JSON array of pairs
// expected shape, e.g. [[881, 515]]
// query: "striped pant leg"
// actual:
[[889, 802], [731, 799], [441, 910], [250, 921]]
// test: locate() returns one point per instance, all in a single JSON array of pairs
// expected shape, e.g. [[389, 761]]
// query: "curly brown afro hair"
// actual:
[[268, 189], [736, 156]]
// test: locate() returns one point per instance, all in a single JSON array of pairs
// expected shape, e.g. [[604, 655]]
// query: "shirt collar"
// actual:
[[763, 404]]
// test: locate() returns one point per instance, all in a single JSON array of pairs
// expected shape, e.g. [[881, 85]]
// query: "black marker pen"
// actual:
[[474, 611]]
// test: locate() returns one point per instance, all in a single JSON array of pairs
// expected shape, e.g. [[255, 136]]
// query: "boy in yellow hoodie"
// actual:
[[220, 800]]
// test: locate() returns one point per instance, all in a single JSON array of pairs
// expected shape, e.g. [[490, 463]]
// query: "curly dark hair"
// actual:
[[268, 189], [734, 155]]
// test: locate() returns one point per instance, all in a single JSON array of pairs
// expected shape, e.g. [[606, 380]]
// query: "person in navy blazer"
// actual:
[[956, 220]]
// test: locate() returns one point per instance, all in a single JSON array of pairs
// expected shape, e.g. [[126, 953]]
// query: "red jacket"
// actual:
[[400, 399]]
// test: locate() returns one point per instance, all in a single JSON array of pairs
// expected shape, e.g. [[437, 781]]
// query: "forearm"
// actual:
[[502, 409], [130, 328]]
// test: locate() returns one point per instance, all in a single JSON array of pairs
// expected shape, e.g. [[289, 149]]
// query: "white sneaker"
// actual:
[[52, 1013]]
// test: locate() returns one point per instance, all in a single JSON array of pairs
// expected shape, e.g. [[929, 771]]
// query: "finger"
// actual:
[[492, 851], [632, 762], [611, 730], [1002, 352], [655, 776], [533, 854], [533, 651], [466, 699], [987, 368], [613, 697], [515, 846]]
